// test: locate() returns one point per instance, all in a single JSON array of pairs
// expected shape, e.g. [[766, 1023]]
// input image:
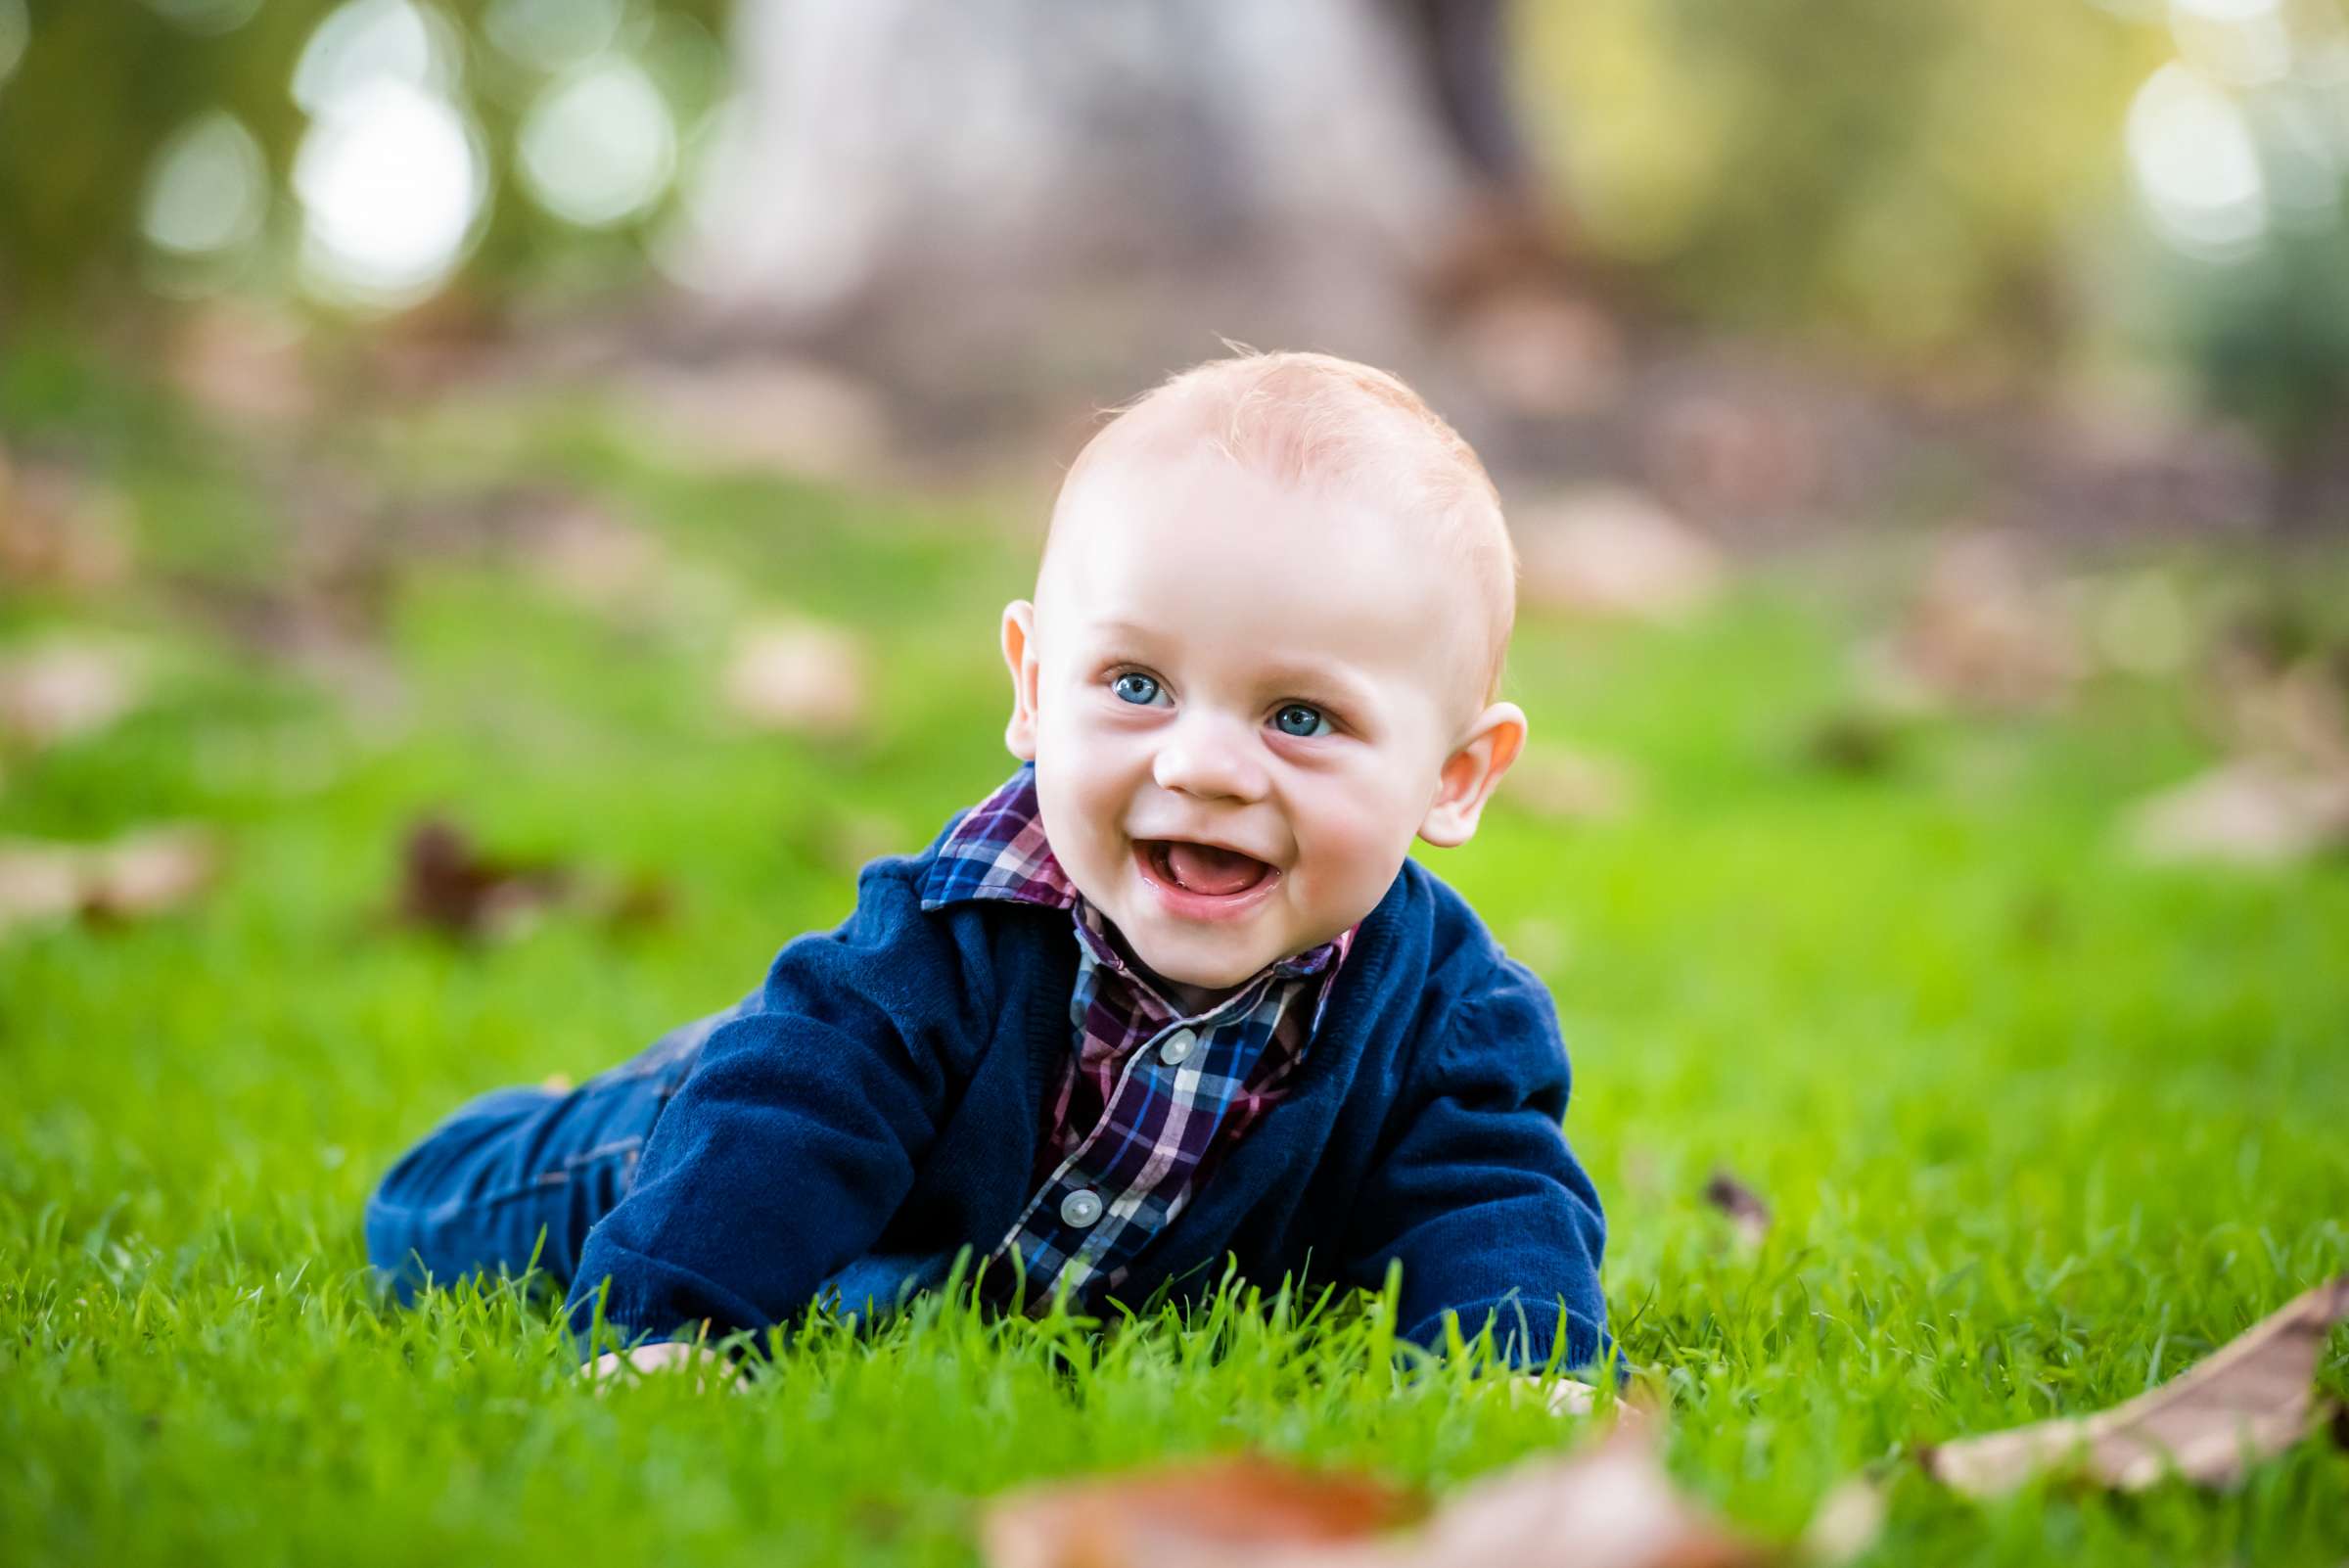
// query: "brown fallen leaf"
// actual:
[[802, 676], [2297, 709], [1611, 1506], [59, 526], [1856, 742], [448, 885], [1848, 1521], [1748, 1215], [2254, 811], [590, 558], [1986, 629], [149, 873], [63, 690], [2252, 1398], [1616, 552], [1571, 786], [1184, 1512], [135, 877], [243, 364]]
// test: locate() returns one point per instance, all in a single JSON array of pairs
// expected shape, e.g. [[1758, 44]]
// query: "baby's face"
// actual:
[[1243, 701]]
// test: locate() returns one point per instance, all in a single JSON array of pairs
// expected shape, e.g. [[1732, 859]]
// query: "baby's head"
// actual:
[[1262, 657]]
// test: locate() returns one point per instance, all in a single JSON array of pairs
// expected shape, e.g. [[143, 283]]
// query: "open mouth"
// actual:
[[1203, 870]]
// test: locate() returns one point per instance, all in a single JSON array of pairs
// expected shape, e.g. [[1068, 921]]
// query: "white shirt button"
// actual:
[[1080, 1208], [1178, 1047]]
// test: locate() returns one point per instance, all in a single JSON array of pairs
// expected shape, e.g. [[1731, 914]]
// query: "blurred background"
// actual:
[[2025, 321], [2080, 265]]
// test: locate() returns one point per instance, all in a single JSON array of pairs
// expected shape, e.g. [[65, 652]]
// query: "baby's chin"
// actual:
[[1207, 963]]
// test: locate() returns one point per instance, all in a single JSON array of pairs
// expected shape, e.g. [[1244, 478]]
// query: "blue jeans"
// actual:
[[522, 1175]]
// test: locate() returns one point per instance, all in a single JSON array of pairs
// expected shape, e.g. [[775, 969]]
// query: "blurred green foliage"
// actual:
[[100, 88], [1940, 183], [1906, 175]]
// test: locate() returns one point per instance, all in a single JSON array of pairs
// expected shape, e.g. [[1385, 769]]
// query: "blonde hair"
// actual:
[[1303, 419]]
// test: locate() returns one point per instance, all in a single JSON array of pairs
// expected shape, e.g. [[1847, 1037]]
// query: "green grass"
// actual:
[[2041, 1126]]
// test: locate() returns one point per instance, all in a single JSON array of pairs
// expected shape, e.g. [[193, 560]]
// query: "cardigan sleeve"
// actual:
[[1478, 1195], [795, 1137]]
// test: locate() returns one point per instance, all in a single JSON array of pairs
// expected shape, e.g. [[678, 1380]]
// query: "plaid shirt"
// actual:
[[1151, 1098]]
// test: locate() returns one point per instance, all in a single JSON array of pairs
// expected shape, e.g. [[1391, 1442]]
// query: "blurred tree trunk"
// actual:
[[1063, 191]]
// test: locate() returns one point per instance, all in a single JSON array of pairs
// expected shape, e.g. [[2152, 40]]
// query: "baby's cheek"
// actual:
[[1357, 851]]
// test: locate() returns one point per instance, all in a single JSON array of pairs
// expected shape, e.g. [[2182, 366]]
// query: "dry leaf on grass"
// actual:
[[589, 558], [1856, 742], [2299, 711], [802, 676], [132, 878], [1571, 786], [2252, 1398], [1616, 552], [1848, 1521], [2255, 811], [447, 882], [2284, 794], [1188, 1512], [1611, 1506], [243, 364], [1748, 1215], [1986, 629], [61, 526], [57, 692]]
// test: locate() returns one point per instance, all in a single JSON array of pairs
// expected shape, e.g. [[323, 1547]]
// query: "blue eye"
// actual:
[[1135, 687], [1300, 720]]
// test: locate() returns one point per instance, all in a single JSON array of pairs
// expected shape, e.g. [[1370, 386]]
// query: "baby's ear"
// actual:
[[1019, 653], [1471, 773]]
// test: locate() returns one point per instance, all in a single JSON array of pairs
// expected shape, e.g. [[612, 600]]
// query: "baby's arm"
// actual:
[[1479, 1197], [794, 1139]]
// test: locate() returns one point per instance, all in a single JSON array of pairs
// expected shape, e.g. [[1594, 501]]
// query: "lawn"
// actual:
[[2041, 1125]]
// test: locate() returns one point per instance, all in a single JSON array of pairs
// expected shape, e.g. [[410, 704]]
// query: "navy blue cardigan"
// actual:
[[875, 1108]]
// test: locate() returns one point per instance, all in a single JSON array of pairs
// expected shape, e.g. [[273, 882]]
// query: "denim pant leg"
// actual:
[[520, 1175]]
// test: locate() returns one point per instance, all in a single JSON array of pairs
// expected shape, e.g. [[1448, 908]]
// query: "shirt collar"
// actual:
[[998, 851]]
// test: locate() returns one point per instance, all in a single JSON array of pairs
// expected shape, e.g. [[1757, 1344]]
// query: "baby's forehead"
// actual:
[[1188, 507], [1343, 460], [1192, 559]]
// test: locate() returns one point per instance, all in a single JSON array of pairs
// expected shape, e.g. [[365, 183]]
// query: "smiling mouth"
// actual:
[[1204, 870]]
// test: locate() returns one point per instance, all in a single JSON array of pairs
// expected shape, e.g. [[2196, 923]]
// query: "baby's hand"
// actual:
[[1565, 1396], [666, 1355]]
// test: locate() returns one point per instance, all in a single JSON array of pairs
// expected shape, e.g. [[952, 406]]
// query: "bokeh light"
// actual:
[[392, 176], [372, 40], [208, 189], [2240, 41], [392, 179], [600, 146], [2196, 166], [553, 35]]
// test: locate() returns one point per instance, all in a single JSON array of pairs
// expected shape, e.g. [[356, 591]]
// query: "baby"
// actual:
[[1171, 995]]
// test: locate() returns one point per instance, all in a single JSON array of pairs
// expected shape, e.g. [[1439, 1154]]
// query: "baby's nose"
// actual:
[[1212, 759]]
